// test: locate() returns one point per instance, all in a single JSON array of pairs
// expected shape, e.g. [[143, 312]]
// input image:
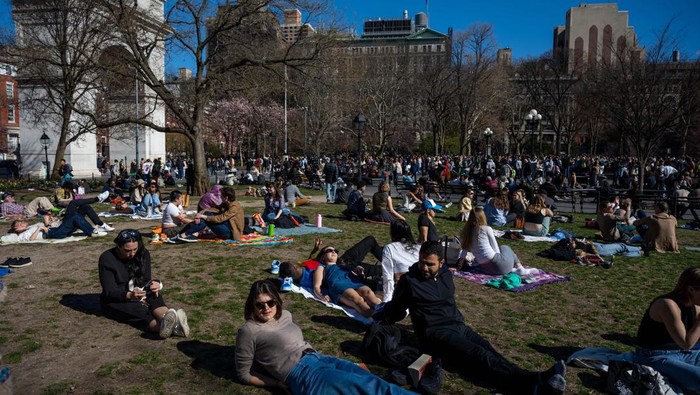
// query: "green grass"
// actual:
[[533, 329]]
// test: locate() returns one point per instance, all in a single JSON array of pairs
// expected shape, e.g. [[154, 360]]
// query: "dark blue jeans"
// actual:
[[222, 230], [69, 225], [82, 208]]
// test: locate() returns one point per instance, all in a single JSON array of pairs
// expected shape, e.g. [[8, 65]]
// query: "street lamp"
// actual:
[[306, 110], [532, 119], [488, 133], [359, 124], [45, 141]]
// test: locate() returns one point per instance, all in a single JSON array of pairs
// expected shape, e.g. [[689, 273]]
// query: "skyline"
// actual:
[[526, 36]]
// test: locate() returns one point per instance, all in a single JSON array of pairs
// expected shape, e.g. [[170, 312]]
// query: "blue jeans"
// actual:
[[222, 230], [618, 249], [152, 201], [680, 366], [271, 216], [318, 374], [330, 197], [69, 225]]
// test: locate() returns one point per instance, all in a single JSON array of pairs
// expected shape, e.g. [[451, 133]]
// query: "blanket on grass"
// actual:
[[500, 233], [528, 282], [304, 229], [14, 239], [352, 313], [256, 240]]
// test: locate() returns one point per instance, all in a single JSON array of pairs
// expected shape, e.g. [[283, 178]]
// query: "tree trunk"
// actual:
[[61, 145], [201, 176]]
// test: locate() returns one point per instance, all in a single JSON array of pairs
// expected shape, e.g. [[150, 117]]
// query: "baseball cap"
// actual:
[[429, 204], [7, 194]]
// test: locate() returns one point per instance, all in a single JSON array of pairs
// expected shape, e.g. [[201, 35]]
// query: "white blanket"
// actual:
[[308, 294], [14, 239]]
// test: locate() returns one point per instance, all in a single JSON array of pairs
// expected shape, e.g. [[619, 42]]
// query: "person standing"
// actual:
[[330, 174], [65, 171]]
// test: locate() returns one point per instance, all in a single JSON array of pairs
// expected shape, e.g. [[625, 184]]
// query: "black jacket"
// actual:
[[431, 301]]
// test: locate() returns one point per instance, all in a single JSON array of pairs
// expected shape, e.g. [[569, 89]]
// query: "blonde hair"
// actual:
[[384, 187], [476, 219], [536, 205]]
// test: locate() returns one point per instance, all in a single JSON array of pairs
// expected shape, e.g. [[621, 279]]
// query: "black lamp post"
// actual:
[[488, 133], [532, 119], [359, 124], [45, 141]]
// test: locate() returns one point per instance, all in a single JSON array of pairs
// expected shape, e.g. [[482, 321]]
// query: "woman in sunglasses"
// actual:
[[344, 286], [129, 293], [271, 352]]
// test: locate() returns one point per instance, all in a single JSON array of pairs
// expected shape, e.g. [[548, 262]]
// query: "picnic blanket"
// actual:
[[529, 282], [352, 313], [304, 229], [256, 240], [14, 239], [500, 233]]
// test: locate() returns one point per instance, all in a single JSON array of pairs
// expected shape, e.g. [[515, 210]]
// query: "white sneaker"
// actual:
[[105, 226], [168, 323], [181, 329], [103, 196], [98, 232]]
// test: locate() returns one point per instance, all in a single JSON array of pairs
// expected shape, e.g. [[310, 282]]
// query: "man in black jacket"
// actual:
[[330, 173], [428, 290]]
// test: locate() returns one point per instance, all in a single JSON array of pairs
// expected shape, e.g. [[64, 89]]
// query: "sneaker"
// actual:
[[172, 240], [275, 267], [98, 232], [105, 226], [181, 329], [286, 284], [448, 205], [102, 197], [8, 262], [189, 239], [20, 262], [168, 323]]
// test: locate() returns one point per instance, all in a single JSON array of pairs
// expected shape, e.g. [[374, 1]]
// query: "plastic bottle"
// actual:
[[271, 229], [319, 221]]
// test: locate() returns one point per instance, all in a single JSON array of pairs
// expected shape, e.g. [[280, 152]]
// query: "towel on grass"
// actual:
[[14, 239], [304, 229], [352, 313], [500, 233], [256, 240], [528, 282]]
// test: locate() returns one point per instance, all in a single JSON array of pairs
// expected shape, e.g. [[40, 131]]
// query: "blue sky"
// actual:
[[525, 26]]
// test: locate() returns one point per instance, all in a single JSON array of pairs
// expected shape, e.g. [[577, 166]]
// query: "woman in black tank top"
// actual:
[[537, 217], [668, 335]]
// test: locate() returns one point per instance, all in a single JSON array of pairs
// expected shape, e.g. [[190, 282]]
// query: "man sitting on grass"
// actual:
[[428, 292]]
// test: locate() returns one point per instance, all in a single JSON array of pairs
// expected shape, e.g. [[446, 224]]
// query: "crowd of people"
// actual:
[[415, 279]]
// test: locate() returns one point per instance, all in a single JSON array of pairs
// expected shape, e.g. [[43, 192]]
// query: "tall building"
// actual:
[[293, 28], [9, 111], [595, 33]]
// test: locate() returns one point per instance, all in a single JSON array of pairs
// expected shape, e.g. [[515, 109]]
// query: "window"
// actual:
[[10, 114], [9, 90]]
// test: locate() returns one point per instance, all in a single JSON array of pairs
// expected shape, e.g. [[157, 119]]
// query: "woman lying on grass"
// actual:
[[271, 352]]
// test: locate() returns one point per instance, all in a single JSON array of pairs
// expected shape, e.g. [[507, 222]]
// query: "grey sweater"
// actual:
[[275, 347]]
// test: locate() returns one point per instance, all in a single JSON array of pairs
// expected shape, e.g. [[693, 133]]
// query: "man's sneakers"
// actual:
[[168, 324], [275, 267], [181, 329], [105, 227], [189, 239], [102, 197], [98, 232], [173, 240], [286, 284], [17, 262]]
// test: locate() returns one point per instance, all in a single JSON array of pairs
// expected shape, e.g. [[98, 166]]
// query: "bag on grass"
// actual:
[[519, 222], [627, 378], [382, 341]]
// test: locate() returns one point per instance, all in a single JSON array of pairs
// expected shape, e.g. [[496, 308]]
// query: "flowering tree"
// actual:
[[230, 120]]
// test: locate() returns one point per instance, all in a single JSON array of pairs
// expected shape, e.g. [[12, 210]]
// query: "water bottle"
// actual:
[[271, 229], [319, 221], [5, 379]]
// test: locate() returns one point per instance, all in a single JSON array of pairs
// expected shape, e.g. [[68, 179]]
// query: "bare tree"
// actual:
[[58, 47]]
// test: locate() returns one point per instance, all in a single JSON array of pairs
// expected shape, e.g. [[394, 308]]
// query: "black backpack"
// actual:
[[382, 341]]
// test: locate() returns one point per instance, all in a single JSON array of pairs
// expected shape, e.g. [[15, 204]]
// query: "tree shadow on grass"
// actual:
[[214, 358], [622, 338], [345, 323], [86, 303]]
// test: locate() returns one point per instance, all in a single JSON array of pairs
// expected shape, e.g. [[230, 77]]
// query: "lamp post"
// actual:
[[45, 141], [136, 131], [532, 119], [359, 124], [306, 110], [488, 133]]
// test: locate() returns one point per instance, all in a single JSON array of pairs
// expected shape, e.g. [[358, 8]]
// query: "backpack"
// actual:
[[382, 341], [627, 378]]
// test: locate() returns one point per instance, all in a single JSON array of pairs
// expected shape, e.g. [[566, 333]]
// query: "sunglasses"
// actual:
[[261, 305], [331, 250], [129, 234]]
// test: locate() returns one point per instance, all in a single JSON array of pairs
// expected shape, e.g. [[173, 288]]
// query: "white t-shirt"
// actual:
[[396, 258], [171, 214], [27, 234], [484, 245]]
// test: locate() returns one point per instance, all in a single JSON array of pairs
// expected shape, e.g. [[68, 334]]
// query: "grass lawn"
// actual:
[[55, 341]]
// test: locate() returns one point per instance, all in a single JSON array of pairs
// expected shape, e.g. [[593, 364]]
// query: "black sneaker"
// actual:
[[21, 262], [8, 262]]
